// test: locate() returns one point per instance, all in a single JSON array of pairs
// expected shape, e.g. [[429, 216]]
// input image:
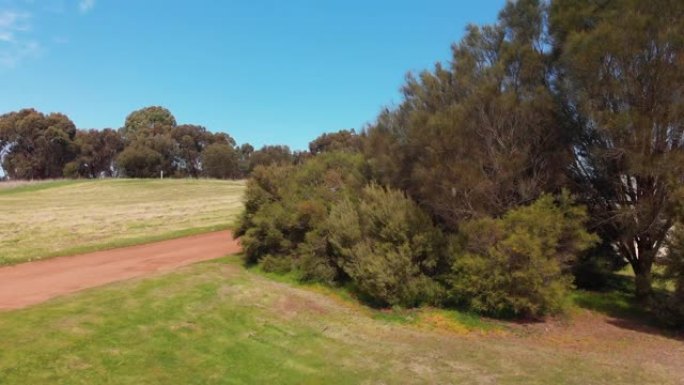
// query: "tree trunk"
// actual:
[[642, 279]]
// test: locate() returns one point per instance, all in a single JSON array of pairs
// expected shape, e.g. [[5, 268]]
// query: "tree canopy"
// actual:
[[147, 118], [621, 78], [34, 145]]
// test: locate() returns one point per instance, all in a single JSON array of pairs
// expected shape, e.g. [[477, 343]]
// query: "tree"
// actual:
[[191, 141], [519, 264], [270, 155], [145, 119], [620, 73], [220, 160], [480, 137], [244, 156], [97, 150], [34, 145], [140, 162], [343, 140]]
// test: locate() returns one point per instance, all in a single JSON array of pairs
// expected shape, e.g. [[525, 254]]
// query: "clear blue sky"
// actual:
[[266, 72]]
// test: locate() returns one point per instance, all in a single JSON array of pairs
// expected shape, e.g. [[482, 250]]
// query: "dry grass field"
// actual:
[[45, 219]]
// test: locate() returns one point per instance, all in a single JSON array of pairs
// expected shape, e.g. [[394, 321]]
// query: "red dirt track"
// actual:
[[34, 282]]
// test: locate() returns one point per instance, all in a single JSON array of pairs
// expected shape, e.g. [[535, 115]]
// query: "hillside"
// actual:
[[46, 219]]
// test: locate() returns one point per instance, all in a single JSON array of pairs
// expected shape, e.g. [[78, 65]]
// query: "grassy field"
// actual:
[[218, 323], [41, 220]]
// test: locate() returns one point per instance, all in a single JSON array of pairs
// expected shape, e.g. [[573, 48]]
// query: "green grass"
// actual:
[[47, 219], [617, 300], [425, 317], [612, 303], [217, 323]]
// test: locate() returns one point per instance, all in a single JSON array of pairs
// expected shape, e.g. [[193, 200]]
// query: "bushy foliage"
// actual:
[[478, 136], [140, 162], [220, 160], [34, 145], [286, 205], [319, 218], [343, 140], [388, 247], [147, 118], [620, 80], [97, 151], [270, 155], [519, 264]]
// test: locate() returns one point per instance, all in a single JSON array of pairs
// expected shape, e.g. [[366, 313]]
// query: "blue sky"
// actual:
[[266, 72]]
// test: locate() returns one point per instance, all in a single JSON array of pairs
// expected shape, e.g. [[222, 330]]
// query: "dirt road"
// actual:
[[34, 282]]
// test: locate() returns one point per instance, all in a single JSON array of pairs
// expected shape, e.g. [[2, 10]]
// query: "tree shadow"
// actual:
[[653, 328], [617, 301]]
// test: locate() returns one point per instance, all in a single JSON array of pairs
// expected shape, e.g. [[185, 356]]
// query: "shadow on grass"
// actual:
[[450, 319], [617, 301]]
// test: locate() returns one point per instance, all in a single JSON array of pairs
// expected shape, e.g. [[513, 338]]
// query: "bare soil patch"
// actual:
[[34, 282]]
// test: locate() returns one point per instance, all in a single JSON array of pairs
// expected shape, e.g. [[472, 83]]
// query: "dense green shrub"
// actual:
[[276, 264], [323, 219], [287, 206], [519, 264], [72, 170], [258, 224], [140, 162], [388, 246], [220, 160], [319, 218]]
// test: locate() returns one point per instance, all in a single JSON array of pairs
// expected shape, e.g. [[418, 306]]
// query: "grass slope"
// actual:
[[217, 323], [47, 219]]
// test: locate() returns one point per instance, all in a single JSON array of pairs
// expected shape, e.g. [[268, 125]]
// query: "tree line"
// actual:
[[34, 145], [546, 154]]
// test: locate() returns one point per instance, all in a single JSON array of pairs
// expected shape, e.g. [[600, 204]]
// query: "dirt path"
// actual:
[[34, 282]]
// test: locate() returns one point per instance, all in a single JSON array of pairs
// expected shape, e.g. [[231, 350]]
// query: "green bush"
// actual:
[[286, 206], [323, 219], [72, 170], [220, 160], [140, 162], [276, 264], [320, 219], [315, 259], [388, 247], [518, 265]]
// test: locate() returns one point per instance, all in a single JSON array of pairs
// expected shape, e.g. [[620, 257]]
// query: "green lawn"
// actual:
[[46, 219], [216, 322]]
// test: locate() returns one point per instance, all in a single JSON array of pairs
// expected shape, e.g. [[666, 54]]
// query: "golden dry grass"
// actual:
[[64, 217]]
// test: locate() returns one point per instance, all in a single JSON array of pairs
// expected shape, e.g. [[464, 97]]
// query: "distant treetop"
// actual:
[[147, 118]]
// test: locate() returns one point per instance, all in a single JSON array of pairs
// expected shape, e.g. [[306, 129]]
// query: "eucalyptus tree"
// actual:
[[35, 145]]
